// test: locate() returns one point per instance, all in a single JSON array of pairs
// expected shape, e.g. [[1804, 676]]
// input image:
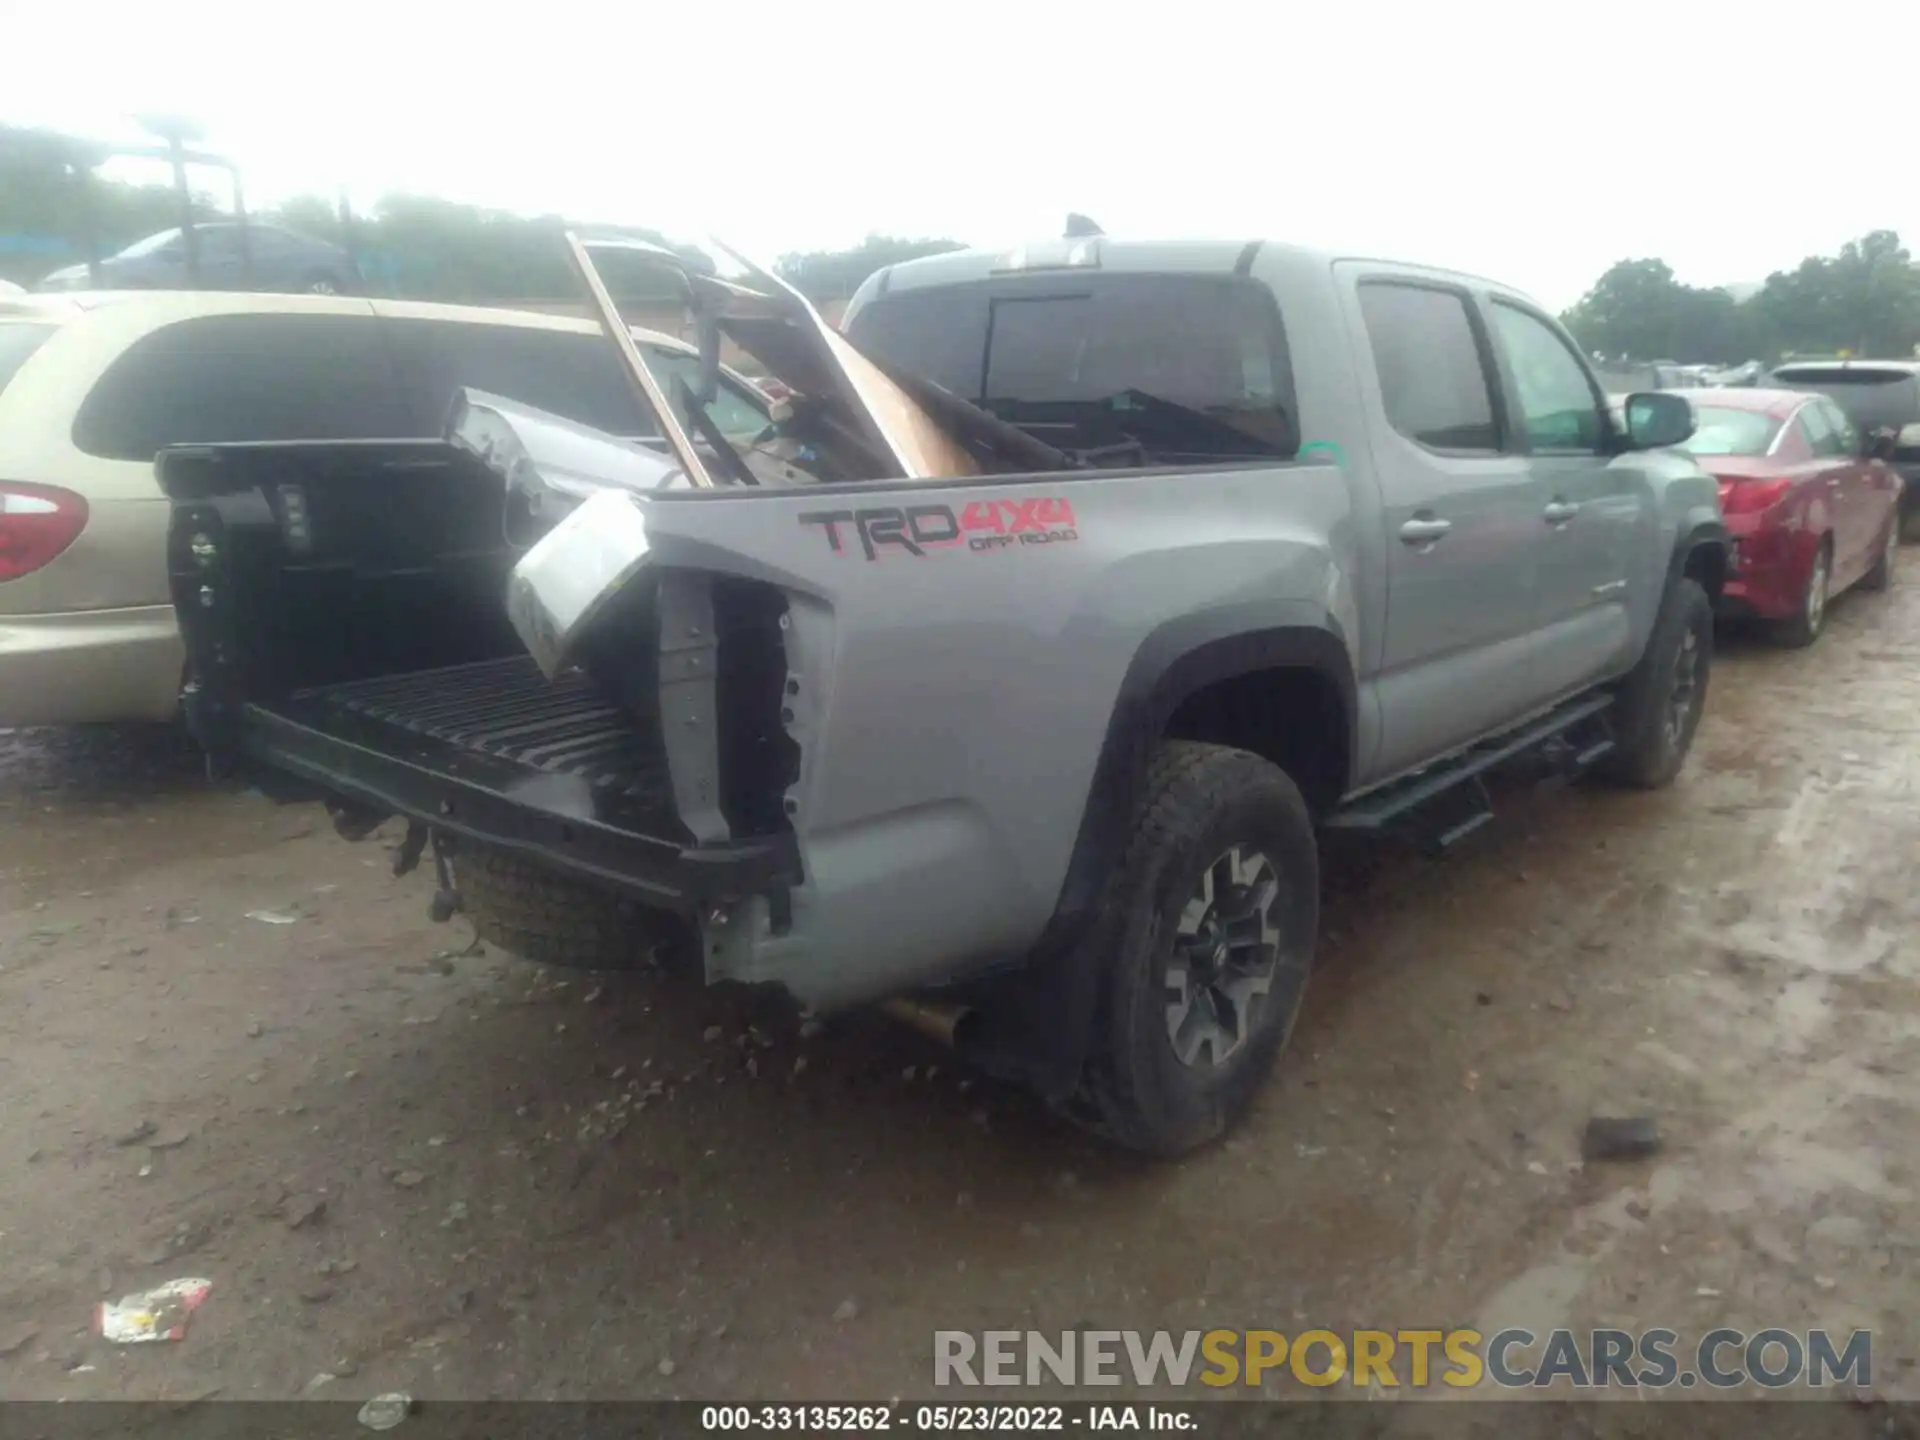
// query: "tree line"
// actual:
[[1864, 301]]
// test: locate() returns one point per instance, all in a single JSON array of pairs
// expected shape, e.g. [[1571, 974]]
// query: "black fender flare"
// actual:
[[1178, 660], [1701, 534], [1037, 1018]]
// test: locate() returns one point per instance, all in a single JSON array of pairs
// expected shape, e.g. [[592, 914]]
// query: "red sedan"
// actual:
[[1812, 504]]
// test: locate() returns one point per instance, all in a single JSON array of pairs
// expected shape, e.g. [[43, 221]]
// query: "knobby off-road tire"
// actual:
[[1661, 702], [1222, 856], [533, 913]]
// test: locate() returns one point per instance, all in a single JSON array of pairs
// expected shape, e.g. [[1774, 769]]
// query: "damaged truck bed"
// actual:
[[1007, 677]]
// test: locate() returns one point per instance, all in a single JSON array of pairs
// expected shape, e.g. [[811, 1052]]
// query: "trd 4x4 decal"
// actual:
[[981, 525]]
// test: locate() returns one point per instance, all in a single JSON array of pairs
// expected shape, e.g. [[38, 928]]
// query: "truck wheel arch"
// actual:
[[1180, 665], [1702, 553], [1042, 1011]]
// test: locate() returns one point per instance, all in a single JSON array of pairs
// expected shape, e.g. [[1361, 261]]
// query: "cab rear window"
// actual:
[[18, 340], [1186, 365]]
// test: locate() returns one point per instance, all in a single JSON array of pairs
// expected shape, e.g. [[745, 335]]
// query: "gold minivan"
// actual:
[[92, 386]]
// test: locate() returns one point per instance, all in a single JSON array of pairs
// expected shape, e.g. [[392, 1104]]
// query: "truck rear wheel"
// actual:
[[1207, 928], [1660, 704], [533, 913]]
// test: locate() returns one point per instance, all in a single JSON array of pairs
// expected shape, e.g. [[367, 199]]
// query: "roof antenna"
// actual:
[[1079, 227]]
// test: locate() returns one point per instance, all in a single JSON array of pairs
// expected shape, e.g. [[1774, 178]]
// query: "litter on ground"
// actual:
[[158, 1314]]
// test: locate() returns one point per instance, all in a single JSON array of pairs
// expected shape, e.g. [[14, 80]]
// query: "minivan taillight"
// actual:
[[37, 522]]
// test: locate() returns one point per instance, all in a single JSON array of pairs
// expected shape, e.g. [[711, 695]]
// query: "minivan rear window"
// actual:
[[243, 378], [1185, 365], [18, 340], [231, 379]]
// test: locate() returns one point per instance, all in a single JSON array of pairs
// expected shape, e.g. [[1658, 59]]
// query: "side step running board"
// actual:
[[1449, 800]]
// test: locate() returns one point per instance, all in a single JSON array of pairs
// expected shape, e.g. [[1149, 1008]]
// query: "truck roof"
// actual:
[[1107, 254]]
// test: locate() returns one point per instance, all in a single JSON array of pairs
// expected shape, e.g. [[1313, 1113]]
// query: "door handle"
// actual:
[[1418, 531], [1559, 512]]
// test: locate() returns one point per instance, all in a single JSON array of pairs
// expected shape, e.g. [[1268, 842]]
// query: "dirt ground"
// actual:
[[407, 1168]]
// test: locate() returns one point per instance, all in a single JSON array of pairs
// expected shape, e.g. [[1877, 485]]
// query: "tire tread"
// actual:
[[531, 912], [1639, 760], [1186, 783]]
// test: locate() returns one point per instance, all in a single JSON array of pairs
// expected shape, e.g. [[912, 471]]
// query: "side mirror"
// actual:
[[1658, 419], [1880, 445]]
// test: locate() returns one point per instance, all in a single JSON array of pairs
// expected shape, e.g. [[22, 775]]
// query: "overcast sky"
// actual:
[[1535, 143]]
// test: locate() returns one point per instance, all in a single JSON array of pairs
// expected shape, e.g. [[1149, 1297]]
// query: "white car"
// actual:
[[93, 385]]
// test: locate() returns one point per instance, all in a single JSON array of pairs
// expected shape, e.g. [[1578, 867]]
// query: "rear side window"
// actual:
[[1844, 429], [1183, 365], [1822, 438], [18, 341], [225, 379], [575, 375], [1431, 366]]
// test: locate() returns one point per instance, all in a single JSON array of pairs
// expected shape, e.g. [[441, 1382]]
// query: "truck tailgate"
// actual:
[[340, 608]]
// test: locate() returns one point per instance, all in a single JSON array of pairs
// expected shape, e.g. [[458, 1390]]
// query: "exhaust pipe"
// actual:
[[944, 1023]]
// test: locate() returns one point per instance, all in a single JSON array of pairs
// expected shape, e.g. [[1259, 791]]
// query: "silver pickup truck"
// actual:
[[1012, 675]]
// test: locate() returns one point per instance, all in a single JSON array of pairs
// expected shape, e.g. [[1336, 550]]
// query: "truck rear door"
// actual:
[[1460, 514]]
